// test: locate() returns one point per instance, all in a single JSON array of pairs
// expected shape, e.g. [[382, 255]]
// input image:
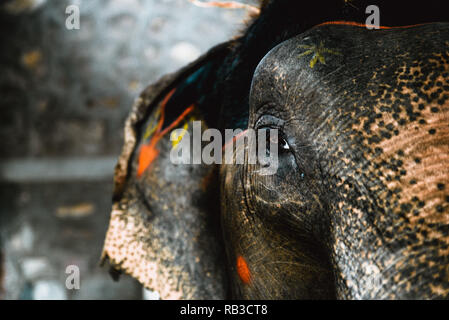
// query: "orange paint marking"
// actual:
[[234, 139], [164, 104], [148, 152], [243, 270], [361, 25], [178, 120]]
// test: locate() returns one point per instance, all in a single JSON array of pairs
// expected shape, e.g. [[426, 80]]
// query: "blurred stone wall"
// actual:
[[64, 96]]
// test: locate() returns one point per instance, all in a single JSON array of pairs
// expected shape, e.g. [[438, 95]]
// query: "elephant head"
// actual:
[[363, 168], [359, 205]]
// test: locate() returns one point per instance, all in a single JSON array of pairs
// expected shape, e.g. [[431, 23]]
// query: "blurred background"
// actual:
[[64, 97]]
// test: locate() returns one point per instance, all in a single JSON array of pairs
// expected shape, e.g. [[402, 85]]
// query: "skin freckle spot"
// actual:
[[441, 186], [432, 131], [243, 270], [434, 110]]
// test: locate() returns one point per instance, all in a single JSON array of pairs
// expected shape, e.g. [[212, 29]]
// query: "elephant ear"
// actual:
[[164, 226]]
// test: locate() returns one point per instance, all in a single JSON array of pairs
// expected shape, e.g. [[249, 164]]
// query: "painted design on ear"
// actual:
[[317, 53], [148, 152], [152, 126], [175, 138], [243, 270]]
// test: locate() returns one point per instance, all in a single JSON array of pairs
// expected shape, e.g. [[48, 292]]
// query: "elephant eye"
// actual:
[[278, 140], [283, 144]]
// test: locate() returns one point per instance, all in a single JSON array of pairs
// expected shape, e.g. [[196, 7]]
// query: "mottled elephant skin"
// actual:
[[359, 207]]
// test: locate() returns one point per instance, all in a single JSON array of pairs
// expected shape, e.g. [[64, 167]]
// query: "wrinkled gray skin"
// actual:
[[359, 206]]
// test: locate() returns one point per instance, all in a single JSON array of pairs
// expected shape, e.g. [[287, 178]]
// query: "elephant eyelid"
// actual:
[[268, 120]]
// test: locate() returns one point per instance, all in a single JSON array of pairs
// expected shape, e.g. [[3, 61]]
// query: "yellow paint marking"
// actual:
[[152, 126], [317, 52], [176, 139]]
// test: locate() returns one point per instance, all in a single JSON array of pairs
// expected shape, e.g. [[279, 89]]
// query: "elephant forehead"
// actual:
[[351, 68]]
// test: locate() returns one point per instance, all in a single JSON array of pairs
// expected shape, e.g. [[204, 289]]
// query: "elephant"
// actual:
[[359, 205]]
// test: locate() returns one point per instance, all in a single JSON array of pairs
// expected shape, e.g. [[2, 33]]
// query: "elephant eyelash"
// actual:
[[269, 121]]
